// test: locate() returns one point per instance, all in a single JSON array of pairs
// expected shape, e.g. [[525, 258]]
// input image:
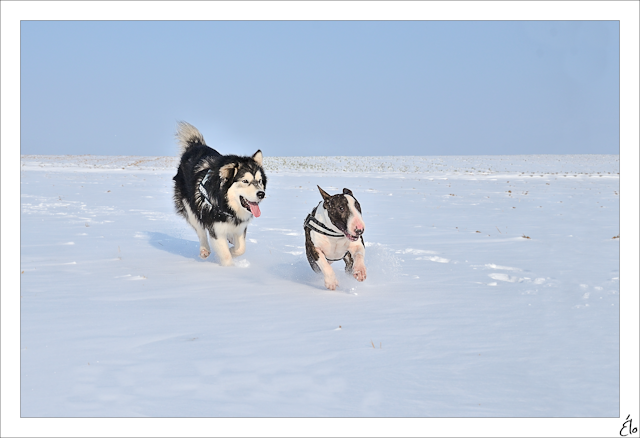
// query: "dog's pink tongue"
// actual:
[[255, 210]]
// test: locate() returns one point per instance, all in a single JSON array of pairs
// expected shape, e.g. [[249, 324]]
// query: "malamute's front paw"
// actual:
[[236, 252], [360, 273], [331, 282], [204, 253], [226, 261]]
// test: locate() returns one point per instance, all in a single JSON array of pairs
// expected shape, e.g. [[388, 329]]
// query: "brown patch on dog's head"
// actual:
[[341, 214], [346, 191], [324, 194]]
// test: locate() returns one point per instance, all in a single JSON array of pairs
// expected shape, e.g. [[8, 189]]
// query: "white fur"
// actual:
[[186, 133], [335, 247], [248, 191], [355, 219], [330, 280], [205, 250], [226, 231]]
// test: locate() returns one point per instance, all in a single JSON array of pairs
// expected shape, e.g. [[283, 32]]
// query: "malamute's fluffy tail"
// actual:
[[187, 135]]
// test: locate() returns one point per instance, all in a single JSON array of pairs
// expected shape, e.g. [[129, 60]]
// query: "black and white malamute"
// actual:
[[217, 193]]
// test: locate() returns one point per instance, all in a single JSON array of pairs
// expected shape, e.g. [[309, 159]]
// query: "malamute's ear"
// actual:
[[227, 172], [347, 192], [324, 194], [257, 157]]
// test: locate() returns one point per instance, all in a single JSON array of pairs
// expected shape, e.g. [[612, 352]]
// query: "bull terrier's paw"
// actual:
[[331, 283], [360, 273], [204, 253]]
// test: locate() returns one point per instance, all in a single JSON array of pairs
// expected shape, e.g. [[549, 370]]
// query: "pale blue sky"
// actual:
[[321, 87]]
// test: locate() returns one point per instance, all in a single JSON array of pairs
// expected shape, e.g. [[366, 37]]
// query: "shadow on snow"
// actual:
[[174, 245]]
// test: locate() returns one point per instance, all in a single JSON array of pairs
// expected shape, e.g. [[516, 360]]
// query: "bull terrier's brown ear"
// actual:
[[257, 157], [347, 192], [227, 172], [324, 194]]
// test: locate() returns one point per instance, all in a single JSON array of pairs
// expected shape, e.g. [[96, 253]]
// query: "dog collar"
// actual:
[[312, 223]]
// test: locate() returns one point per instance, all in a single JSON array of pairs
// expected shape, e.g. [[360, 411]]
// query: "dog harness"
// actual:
[[205, 195], [203, 190], [311, 222]]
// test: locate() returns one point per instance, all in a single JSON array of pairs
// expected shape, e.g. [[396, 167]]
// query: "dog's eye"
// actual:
[[245, 181], [341, 208]]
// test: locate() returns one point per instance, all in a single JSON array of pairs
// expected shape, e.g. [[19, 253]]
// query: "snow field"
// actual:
[[488, 294]]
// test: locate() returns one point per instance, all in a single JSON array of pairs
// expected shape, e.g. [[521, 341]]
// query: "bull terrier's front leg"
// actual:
[[330, 280], [359, 269]]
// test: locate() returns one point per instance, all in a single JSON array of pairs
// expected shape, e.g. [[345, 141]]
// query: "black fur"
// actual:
[[312, 254]]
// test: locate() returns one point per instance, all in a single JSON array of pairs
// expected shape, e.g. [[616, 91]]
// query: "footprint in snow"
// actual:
[[244, 263], [505, 268], [131, 277], [505, 277], [434, 259], [415, 251]]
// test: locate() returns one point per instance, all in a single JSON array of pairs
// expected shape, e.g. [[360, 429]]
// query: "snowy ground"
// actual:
[[492, 291]]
